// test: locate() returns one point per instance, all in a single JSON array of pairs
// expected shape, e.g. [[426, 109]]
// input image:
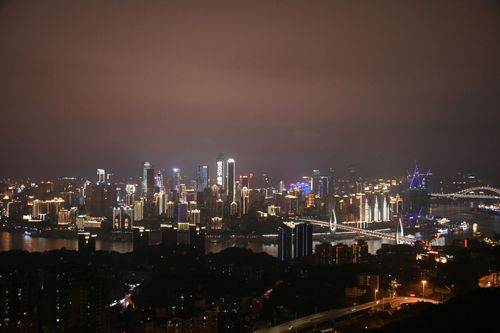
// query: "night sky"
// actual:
[[284, 87]]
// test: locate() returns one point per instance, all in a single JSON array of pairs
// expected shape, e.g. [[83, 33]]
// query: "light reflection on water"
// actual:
[[18, 241], [455, 212]]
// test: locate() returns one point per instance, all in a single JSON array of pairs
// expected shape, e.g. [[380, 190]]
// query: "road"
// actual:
[[318, 318]]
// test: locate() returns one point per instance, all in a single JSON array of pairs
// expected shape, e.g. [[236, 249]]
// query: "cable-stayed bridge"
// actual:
[[397, 237]]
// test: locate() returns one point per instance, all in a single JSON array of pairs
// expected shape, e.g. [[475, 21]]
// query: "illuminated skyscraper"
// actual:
[[245, 200], [315, 181], [202, 178], [331, 182], [123, 218], [385, 210], [285, 242], [148, 181], [170, 210], [129, 194], [376, 210], [139, 209], [159, 181], [176, 179], [219, 169], [359, 251], [230, 182], [101, 176], [182, 212], [245, 181], [303, 240], [161, 203], [368, 211]]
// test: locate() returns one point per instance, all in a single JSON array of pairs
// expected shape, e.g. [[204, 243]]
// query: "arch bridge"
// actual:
[[477, 192]]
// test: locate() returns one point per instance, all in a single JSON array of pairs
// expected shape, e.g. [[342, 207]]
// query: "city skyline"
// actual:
[[287, 87], [249, 166]]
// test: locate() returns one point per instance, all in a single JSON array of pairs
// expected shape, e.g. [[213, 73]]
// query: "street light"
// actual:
[[375, 295], [423, 288]]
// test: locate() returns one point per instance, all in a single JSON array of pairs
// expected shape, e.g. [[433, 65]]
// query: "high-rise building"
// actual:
[[148, 181], [245, 181], [176, 179], [230, 181], [315, 181], [170, 210], [219, 208], [195, 216], [219, 170], [139, 209], [130, 190], [331, 182], [101, 176], [38, 209], [63, 217], [202, 178], [324, 254], [303, 240], [86, 242], [99, 199], [140, 238], [182, 212], [282, 186], [343, 254], [123, 218], [285, 242], [161, 203], [360, 251], [245, 200]]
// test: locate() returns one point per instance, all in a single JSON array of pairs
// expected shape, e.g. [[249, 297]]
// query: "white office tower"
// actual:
[[376, 210], [385, 211], [139, 210], [245, 200], [219, 171], [101, 176], [368, 213], [161, 203]]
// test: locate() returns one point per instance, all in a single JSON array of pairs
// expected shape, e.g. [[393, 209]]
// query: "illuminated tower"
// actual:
[[285, 242], [219, 168], [331, 182], [161, 203], [101, 175], [202, 178], [385, 210], [159, 181], [315, 181], [245, 200], [176, 179], [148, 180], [368, 215], [303, 240], [376, 210], [230, 181]]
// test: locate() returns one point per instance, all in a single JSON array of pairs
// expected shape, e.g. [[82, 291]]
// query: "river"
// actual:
[[460, 211]]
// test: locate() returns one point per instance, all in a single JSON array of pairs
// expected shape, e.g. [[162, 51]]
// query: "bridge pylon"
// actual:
[[399, 231], [333, 221]]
